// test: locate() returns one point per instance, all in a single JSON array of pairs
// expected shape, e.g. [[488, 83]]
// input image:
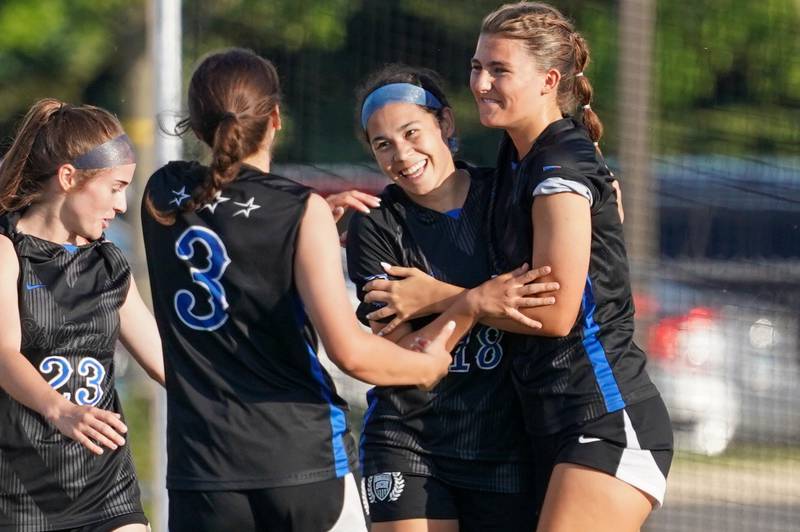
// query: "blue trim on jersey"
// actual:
[[372, 402], [71, 248], [454, 213], [337, 417], [597, 355]]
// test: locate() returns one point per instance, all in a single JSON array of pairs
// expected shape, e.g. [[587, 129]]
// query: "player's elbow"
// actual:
[[348, 363], [344, 361], [157, 374], [349, 355], [558, 325], [555, 332]]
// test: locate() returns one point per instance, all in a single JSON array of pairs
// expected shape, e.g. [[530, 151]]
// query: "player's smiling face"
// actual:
[[93, 203], [506, 83], [410, 146]]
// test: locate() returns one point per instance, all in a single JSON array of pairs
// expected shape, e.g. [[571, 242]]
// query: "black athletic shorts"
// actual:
[[330, 505], [633, 444], [111, 524], [395, 496]]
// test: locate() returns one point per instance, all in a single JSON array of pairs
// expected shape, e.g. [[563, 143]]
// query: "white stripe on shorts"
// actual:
[[638, 468], [352, 517]]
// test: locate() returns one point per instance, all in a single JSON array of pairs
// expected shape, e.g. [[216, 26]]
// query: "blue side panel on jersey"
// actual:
[[337, 417], [372, 402], [597, 355]]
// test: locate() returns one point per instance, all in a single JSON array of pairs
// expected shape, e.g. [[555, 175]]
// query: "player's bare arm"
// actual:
[[561, 238], [498, 300], [320, 282], [139, 334]]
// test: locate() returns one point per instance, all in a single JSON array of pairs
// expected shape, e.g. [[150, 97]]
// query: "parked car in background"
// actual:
[[727, 365], [722, 305]]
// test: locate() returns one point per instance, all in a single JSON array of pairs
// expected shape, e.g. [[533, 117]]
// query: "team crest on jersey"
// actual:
[[385, 487]]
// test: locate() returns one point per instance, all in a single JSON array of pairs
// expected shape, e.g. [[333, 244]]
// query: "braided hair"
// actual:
[[232, 95], [550, 38]]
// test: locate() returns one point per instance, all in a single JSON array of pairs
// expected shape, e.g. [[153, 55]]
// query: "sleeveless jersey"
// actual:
[[248, 404], [69, 300], [468, 431], [596, 368]]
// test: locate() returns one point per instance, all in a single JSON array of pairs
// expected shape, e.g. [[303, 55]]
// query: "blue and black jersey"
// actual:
[[249, 405], [468, 431], [69, 301], [597, 368]]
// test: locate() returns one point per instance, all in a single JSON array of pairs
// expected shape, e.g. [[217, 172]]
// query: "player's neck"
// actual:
[[450, 194], [43, 221], [524, 135], [261, 159]]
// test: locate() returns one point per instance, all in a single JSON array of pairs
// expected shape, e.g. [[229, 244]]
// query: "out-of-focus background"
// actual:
[[701, 103]]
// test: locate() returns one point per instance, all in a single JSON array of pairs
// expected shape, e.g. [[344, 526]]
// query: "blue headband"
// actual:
[[397, 92], [115, 152]]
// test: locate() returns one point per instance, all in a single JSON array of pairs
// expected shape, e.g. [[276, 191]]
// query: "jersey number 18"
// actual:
[[490, 350]]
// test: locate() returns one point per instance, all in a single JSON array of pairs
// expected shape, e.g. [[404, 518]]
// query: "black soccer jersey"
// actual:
[[69, 300], [597, 368], [468, 430], [248, 403]]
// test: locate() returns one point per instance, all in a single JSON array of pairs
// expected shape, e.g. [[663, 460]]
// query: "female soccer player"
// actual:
[[601, 434], [245, 266], [599, 426], [453, 458], [67, 294]]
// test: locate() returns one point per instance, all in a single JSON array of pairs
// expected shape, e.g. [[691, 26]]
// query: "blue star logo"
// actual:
[[180, 196]]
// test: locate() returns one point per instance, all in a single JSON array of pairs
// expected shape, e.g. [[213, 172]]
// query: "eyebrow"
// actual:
[[491, 63], [401, 128]]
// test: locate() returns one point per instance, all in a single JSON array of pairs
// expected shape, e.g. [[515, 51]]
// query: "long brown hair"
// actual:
[[52, 133], [552, 41], [232, 94]]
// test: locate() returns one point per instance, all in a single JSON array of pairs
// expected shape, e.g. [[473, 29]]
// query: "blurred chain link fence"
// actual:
[[701, 102], [701, 105]]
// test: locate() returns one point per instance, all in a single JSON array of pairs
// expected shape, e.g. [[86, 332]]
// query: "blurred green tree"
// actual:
[[287, 24], [727, 74], [69, 49]]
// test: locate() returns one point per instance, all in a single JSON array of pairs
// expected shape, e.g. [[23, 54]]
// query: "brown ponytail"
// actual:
[[582, 88], [227, 155], [52, 133], [552, 41], [231, 97]]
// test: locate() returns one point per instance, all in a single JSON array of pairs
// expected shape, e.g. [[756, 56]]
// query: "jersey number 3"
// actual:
[[206, 271]]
